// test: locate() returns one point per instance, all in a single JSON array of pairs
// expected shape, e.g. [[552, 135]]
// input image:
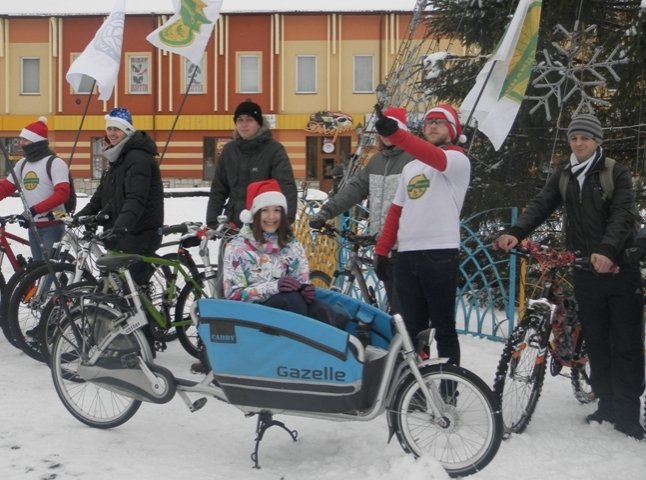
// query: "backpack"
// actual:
[[605, 179], [70, 204]]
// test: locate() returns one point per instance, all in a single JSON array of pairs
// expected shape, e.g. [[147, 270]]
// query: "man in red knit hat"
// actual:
[[424, 219], [44, 180]]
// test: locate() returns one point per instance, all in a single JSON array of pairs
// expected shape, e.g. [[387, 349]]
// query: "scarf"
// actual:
[[112, 153], [37, 151], [580, 170]]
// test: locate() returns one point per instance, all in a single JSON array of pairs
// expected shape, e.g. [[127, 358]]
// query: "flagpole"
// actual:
[[179, 112], [78, 132]]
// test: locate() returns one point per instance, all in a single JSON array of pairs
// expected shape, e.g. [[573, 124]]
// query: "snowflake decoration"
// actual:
[[563, 79]]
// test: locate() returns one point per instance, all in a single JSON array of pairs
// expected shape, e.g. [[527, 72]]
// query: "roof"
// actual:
[[142, 7]]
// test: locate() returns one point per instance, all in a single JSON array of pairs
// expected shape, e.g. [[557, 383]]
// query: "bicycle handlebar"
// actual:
[[349, 235], [548, 257]]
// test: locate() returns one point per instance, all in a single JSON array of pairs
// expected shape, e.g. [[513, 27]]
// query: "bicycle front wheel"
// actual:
[[467, 435], [186, 329], [30, 295], [320, 279], [87, 401], [521, 372]]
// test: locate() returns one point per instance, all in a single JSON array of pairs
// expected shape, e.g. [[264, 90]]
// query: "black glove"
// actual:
[[385, 126], [634, 255], [24, 219], [288, 284], [317, 221], [380, 265]]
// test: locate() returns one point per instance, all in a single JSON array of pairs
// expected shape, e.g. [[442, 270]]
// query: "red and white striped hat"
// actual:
[[35, 132], [448, 113]]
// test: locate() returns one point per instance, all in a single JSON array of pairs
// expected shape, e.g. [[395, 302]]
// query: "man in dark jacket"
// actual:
[[610, 294], [130, 192], [253, 155], [377, 182]]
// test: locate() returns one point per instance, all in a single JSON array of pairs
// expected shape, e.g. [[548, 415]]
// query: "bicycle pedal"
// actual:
[[197, 404]]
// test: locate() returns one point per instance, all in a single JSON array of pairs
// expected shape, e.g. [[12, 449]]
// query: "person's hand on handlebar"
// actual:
[[505, 242]]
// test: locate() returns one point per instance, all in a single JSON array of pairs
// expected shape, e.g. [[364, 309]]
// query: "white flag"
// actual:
[[495, 99], [188, 31], [101, 58]]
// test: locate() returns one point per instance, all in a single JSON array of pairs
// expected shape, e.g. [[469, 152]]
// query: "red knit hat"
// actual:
[[448, 113], [35, 132], [265, 193], [398, 114]]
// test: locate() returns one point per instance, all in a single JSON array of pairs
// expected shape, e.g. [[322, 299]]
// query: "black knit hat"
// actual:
[[249, 108], [586, 124]]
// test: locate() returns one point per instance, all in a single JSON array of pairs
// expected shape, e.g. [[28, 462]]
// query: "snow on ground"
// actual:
[[40, 440]]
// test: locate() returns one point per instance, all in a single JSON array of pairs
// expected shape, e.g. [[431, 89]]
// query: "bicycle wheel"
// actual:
[[468, 434], [521, 372], [4, 302], [53, 314], [87, 401], [28, 299], [186, 329], [320, 279]]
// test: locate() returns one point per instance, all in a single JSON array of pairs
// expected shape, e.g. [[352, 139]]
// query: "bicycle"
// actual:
[[550, 327], [354, 277], [164, 303], [16, 260], [267, 361]]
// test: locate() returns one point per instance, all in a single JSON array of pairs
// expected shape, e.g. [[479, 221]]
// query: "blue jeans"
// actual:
[[426, 282], [49, 235]]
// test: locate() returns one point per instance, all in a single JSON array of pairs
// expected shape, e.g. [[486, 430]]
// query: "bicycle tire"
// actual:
[[24, 310], [472, 436], [87, 401], [187, 334], [320, 279], [4, 302], [52, 316], [521, 372]]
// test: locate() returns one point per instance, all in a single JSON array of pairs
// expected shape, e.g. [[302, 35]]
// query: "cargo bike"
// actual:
[[269, 362]]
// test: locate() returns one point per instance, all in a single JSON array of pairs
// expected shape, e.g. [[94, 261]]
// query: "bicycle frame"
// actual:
[[16, 261]]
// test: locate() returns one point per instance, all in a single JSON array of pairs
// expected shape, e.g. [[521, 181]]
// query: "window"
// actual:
[[86, 82], [98, 162], [306, 74], [363, 74], [138, 74], [30, 76], [197, 73], [249, 73]]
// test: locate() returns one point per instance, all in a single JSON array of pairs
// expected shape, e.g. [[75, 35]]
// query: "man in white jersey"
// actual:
[[45, 184], [424, 219]]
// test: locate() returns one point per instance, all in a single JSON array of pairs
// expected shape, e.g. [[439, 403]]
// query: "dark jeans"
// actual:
[[426, 282], [290, 301], [611, 309], [386, 273]]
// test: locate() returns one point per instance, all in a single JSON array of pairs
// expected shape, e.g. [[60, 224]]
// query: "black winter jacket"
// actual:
[[592, 224], [243, 162], [131, 193]]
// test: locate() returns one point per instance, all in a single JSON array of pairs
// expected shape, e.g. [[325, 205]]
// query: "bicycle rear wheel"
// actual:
[[320, 279], [186, 329], [521, 372], [467, 435], [87, 401]]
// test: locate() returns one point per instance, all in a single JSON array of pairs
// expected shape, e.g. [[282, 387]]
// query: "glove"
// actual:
[[634, 255], [317, 221], [308, 291], [288, 284], [380, 265], [24, 218], [385, 126]]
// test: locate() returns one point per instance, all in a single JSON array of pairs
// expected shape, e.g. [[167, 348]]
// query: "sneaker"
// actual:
[[199, 368], [633, 430], [600, 416]]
